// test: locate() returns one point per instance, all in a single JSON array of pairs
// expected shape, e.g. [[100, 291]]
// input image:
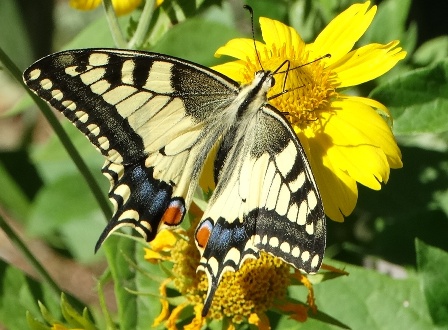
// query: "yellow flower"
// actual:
[[122, 7], [345, 138], [242, 297]]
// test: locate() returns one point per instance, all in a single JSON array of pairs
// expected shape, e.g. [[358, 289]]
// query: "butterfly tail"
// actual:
[[210, 295], [146, 207]]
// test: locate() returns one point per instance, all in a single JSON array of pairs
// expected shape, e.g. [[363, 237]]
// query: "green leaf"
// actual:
[[53, 162], [74, 318], [273, 9], [432, 265], [60, 202], [367, 300], [308, 18], [389, 22], [70, 314], [163, 18], [147, 282], [136, 282], [46, 314], [418, 100], [96, 34], [35, 324], [19, 294], [13, 37], [115, 247], [65, 214], [432, 51], [186, 40], [12, 197], [441, 198]]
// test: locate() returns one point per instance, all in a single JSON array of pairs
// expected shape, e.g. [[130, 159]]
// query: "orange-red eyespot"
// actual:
[[174, 213], [203, 233]]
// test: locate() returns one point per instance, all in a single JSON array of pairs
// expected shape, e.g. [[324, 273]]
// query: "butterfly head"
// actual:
[[265, 79]]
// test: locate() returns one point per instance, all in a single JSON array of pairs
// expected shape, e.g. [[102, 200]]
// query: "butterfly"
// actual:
[[156, 118]]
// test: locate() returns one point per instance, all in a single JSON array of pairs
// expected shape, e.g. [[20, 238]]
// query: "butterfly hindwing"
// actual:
[[150, 115], [268, 202]]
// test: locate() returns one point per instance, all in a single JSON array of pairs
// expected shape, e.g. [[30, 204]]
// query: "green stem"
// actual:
[[143, 25], [105, 277], [114, 26], [64, 138], [37, 266]]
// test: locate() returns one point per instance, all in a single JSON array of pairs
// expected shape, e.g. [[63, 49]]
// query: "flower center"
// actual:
[[307, 91], [307, 87], [254, 288]]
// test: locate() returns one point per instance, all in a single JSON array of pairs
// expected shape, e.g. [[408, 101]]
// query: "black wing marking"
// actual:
[[148, 114], [273, 204]]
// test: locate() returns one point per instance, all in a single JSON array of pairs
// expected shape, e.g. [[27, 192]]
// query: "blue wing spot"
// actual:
[[149, 197]]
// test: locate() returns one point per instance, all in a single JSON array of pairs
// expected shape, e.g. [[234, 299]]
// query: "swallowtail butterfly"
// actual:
[[155, 118]]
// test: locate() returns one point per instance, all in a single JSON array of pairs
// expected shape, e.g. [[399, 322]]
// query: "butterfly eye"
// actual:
[[272, 81]]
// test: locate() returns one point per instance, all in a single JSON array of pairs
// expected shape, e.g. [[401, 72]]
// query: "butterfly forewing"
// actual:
[[148, 114]]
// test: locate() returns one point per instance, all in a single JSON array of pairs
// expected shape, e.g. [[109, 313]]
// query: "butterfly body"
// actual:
[[156, 118]]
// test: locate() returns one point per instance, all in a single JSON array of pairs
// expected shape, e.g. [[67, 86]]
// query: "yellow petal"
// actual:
[[362, 125], [277, 33], [338, 190], [379, 107], [234, 70], [153, 256], [307, 283], [366, 164], [85, 4], [58, 326], [391, 149], [340, 35], [198, 321], [174, 317], [366, 63], [165, 312], [241, 48], [123, 7], [260, 320], [356, 144], [164, 240]]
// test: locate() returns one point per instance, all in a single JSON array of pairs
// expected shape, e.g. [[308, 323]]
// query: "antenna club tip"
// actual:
[[249, 8], [327, 55]]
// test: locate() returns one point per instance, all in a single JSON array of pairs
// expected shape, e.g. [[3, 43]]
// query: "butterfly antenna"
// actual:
[[251, 11], [288, 69], [305, 64]]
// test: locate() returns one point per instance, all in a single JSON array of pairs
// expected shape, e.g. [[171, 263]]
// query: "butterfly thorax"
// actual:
[[253, 96], [239, 137]]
